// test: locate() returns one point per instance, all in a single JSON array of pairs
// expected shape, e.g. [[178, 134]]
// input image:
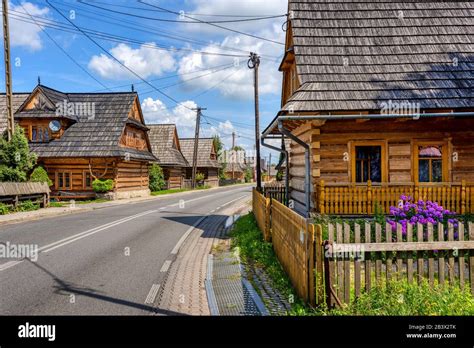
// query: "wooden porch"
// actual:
[[361, 199]]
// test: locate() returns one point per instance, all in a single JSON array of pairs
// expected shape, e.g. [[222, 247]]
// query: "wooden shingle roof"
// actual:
[[356, 54], [91, 136], [205, 148], [18, 99], [166, 146]]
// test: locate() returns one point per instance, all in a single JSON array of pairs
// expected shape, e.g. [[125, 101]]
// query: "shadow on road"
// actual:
[[67, 288]]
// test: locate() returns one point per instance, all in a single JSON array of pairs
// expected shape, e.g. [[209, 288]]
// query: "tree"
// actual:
[[16, 160], [157, 178], [39, 174], [218, 144], [248, 175]]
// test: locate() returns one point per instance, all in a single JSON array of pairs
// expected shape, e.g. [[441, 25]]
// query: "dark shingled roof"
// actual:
[[162, 139], [97, 136], [205, 146], [18, 100], [355, 54]]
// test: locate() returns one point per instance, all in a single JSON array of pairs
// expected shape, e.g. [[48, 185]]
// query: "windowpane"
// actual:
[[436, 171], [67, 180], [423, 170], [368, 163], [60, 180]]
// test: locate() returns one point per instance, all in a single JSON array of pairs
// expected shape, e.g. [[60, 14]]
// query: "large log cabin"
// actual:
[[378, 101], [82, 136], [167, 149], [207, 163]]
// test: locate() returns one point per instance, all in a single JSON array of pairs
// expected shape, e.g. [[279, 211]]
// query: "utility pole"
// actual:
[[196, 144], [254, 63], [234, 154], [269, 166], [8, 71]]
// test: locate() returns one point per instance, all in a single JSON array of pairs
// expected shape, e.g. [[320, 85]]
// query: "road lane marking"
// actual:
[[188, 232], [166, 266], [150, 299], [8, 265]]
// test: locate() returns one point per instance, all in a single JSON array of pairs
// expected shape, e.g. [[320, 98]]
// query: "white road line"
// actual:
[[188, 232], [150, 299], [166, 266], [8, 265], [45, 249]]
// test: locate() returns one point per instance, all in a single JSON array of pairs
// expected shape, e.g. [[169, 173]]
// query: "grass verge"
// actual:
[[247, 237]]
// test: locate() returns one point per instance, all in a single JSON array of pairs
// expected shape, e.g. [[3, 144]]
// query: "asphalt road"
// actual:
[[103, 261]]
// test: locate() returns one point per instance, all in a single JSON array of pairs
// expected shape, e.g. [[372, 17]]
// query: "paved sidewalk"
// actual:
[[184, 289]]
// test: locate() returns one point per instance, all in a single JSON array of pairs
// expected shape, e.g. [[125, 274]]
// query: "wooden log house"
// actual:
[[380, 96], [206, 162], [82, 136], [166, 147]]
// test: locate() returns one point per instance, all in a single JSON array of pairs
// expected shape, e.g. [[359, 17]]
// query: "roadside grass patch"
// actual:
[[22, 206], [253, 250], [165, 192], [404, 299]]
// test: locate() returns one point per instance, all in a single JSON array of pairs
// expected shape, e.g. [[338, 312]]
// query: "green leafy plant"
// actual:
[[156, 178], [200, 177], [248, 175], [16, 160], [103, 186], [27, 206], [39, 174], [4, 209]]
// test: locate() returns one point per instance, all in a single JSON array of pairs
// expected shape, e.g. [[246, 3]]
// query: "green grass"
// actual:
[[247, 237], [166, 192], [22, 206], [404, 299]]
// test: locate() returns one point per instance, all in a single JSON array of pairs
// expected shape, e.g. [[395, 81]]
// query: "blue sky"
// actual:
[[207, 63]]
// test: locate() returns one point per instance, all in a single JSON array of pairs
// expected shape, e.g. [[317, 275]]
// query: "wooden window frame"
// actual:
[[84, 176], [56, 180], [445, 159], [384, 158]]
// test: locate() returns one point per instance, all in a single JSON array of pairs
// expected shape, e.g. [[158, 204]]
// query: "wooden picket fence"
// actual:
[[352, 266], [261, 210], [275, 191]]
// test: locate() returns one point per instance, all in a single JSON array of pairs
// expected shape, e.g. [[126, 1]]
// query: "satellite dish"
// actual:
[[55, 126]]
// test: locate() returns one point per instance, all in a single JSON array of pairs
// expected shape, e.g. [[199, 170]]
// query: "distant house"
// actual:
[[206, 161], [378, 100], [166, 147], [236, 171], [83, 136]]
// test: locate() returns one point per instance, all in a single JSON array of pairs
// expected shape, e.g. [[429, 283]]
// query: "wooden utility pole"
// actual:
[[8, 72], [234, 154], [269, 167], [196, 145], [254, 63]]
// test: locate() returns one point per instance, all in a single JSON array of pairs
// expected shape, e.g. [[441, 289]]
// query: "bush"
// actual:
[[27, 206], [200, 177], [15, 157], [402, 298], [156, 178], [248, 175], [40, 175], [102, 186], [4, 209]]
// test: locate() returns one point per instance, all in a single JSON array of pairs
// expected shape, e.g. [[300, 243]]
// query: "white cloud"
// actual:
[[23, 34], [146, 61], [238, 80]]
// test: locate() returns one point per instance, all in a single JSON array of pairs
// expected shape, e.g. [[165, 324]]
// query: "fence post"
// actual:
[[322, 197], [329, 276], [417, 192], [318, 239], [268, 219], [471, 258], [463, 196], [369, 197], [311, 265]]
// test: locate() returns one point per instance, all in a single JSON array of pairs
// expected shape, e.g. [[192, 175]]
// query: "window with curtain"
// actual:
[[368, 163], [430, 163]]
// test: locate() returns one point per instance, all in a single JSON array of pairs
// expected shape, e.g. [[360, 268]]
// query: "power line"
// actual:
[[64, 51], [151, 30], [117, 38], [117, 60], [214, 25], [190, 13], [217, 84], [179, 21]]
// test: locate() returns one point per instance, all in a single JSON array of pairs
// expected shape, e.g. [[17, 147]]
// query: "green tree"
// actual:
[[39, 174], [218, 144], [16, 160], [157, 178], [248, 175]]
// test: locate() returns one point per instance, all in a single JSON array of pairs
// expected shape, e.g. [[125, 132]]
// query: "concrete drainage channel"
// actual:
[[228, 292]]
